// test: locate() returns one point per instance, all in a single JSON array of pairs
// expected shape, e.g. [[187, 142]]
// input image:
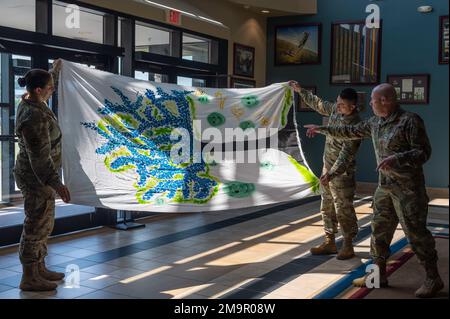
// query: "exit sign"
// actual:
[[174, 17]]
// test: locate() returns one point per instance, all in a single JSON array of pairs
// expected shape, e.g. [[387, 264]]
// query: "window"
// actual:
[[159, 78], [19, 14], [190, 82], [152, 40], [4, 126], [150, 76], [21, 65], [3, 79], [5, 173], [196, 48], [141, 75], [65, 24]]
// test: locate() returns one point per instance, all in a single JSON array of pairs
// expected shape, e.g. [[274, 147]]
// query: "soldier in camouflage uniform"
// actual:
[[401, 148], [338, 174], [36, 174]]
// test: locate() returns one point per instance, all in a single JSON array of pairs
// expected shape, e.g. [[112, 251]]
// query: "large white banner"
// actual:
[[137, 145]]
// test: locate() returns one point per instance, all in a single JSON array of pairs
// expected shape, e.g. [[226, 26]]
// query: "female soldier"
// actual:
[[36, 174]]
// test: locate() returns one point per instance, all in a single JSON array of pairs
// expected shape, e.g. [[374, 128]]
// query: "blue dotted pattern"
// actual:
[[151, 114]]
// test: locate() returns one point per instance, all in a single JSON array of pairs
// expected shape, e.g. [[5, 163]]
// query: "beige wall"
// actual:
[[245, 27]]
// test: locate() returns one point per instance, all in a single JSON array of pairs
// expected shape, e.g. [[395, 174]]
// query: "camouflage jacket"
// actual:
[[339, 155], [39, 159], [403, 135]]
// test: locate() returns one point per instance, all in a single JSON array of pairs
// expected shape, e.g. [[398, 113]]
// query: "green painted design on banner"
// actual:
[[250, 101], [239, 189], [267, 165], [203, 99], [308, 176], [193, 110], [246, 125], [160, 201], [216, 119], [287, 104], [113, 156]]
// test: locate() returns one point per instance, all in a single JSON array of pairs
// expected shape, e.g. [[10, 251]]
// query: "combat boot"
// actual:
[[433, 282], [48, 274], [346, 251], [328, 247], [381, 263], [32, 281]]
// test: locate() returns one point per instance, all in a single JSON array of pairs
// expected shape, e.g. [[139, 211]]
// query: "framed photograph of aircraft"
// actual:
[[244, 60], [355, 53], [298, 44], [237, 83]]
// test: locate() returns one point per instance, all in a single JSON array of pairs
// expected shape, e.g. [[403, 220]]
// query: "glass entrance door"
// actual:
[[12, 68]]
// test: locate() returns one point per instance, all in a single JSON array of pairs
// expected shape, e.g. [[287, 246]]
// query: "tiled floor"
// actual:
[[404, 281], [252, 253]]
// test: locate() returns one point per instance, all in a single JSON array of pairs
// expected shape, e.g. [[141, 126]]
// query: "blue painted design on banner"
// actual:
[[138, 138]]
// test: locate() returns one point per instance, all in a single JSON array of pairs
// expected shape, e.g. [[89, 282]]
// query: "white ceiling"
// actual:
[[92, 24], [279, 7]]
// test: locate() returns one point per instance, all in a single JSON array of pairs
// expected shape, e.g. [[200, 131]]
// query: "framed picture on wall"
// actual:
[[301, 106], [443, 40], [243, 60], [412, 88], [355, 54], [237, 83], [298, 44]]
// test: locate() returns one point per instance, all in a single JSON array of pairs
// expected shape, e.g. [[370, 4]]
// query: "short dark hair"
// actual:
[[36, 78], [350, 95]]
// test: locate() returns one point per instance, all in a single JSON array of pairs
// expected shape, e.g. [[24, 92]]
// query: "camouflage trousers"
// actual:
[[392, 205], [337, 206], [39, 207]]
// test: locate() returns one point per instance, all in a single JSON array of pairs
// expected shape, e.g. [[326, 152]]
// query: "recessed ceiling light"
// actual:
[[265, 11], [170, 8], [246, 6], [210, 20], [196, 16]]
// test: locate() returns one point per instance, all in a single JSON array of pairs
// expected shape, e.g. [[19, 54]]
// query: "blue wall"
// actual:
[[409, 45]]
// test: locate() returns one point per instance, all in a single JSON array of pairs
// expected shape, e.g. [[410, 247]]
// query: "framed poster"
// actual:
[[298, 44], [443, 40], [242, 83], [243, 60], [355, 54], [411, 89], [301, 106]]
